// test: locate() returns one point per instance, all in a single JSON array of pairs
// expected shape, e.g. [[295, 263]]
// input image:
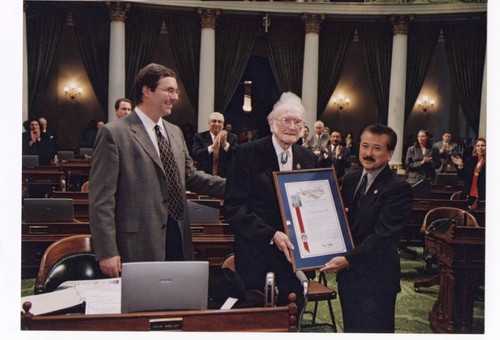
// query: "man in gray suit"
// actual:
[[140, 171], [319, 139], [446, 149]]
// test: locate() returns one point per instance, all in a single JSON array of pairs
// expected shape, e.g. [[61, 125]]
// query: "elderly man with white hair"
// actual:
[[212, 148], [251, 205]]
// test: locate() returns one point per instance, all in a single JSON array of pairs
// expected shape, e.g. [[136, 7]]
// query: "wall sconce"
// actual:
[[341, 102], [247, 97], [72, 91], [425, 103]]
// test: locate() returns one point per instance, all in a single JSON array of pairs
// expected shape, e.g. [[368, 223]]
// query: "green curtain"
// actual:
[[376, 49], [142, 29], [44, 25], [285, 51], [422, 42], [335, 43], [185, 38], [234, 40], [91, 26], [465, 44]]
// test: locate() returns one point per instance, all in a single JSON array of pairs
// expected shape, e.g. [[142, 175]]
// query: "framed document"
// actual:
[[313, 216]]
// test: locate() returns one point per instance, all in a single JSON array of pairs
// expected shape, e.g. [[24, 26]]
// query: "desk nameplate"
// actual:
[[168, 324]]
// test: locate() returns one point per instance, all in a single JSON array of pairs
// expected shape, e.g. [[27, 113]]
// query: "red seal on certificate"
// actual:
[[302, 231]]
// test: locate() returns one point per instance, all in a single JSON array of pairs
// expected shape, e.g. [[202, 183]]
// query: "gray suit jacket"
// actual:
[[316, 143], [128, 193]]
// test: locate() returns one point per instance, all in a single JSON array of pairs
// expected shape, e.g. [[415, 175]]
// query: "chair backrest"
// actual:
[[228, 262], [85, 187], [456, 196], [458, 216], [72, 251]]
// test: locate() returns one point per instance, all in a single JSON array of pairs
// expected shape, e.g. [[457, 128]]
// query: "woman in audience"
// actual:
[[422, 159], [36, 143], [473, 173]]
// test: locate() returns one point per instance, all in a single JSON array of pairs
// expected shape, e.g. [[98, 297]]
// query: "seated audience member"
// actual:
[[336, 155], [446, 149], [318, 139], [123, 107], [473, 173], [49, 133], [36, 143], [100, 124], [212, 148], [229, 128], [303, 139], [251, 205], [422, 159], [89, 135]]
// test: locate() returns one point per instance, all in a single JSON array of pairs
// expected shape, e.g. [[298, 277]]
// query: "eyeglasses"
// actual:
[[171, 91], [215, 121], [287, 122]]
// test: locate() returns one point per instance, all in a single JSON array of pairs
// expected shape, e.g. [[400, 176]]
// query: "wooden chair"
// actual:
[[440, 220], [70, 258], [456, 196], [85, 187]]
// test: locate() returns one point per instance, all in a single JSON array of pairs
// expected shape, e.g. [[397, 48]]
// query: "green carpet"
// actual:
[[412, 308]]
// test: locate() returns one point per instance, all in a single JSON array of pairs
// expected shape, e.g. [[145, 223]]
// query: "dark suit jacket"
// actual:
[[340, 163], [466, 174], [201, 142], [128, 192], [380, 221], [252, 209]]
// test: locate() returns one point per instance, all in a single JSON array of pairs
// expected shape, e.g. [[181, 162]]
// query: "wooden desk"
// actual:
[[40, 181], [211, 242], [421, 206], [460, 255], [77, 172], [76, 195], [265, 319]]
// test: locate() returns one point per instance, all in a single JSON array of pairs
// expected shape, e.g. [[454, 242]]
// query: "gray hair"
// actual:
[[287, 98]]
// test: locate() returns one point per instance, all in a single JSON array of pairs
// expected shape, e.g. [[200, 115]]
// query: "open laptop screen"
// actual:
[[176, 285]]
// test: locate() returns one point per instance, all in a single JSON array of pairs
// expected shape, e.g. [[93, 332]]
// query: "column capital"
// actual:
[[208, 17], [312, 22], [400, 23], [118, 10]]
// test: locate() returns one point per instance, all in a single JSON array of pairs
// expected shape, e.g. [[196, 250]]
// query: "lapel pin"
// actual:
[[375, 191]]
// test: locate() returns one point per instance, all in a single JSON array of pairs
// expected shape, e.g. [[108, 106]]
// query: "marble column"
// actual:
[[206, 95], [312, 24], [482, 113], [25, 69], [396, 115], [116, 87]]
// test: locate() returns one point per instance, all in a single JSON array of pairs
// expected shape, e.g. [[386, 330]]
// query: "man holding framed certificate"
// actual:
[[378, 204], [251, 205]]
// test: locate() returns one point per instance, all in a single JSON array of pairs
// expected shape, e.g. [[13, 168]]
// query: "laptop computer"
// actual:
[[65, 155], [85, 151], [48, 210], [30, 160], [447, 179], [204, 211], [176, 285], [422, 189]]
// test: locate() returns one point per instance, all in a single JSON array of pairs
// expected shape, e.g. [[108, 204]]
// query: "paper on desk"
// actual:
[[101, 296], [53, 301]]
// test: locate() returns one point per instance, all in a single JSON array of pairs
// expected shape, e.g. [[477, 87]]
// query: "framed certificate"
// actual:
[[313, 216]]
